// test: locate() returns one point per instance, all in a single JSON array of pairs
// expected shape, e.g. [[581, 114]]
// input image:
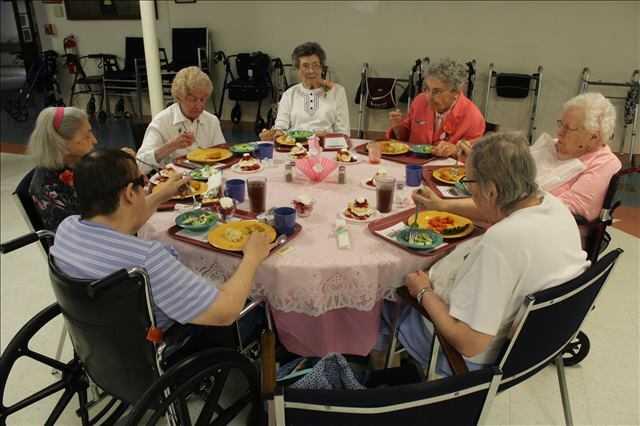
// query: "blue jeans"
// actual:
[[415, 336]]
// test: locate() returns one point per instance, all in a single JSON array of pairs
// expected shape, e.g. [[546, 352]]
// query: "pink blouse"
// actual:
[[584, 194], [463, 121]]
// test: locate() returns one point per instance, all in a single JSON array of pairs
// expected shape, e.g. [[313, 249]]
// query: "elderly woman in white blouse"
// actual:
[[313, 104], [184, 125]]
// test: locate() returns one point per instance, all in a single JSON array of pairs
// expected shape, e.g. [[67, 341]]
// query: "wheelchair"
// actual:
[[252, 83], [117, 346]]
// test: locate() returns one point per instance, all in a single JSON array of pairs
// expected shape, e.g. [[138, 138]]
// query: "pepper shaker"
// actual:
[[342, 175], [288, 172]]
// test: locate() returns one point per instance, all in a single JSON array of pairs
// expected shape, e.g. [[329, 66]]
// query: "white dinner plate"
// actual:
[[363, 183], [373, 216], [236, 168]]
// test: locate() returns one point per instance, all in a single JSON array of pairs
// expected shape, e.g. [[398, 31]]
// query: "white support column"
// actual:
[[151, 55]]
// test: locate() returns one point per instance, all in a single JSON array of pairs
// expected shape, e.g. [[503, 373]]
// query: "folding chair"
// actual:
[[548, 321]]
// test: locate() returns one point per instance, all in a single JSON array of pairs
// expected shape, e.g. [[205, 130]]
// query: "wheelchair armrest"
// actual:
[[250, 307], [458, 366], [24, 241]]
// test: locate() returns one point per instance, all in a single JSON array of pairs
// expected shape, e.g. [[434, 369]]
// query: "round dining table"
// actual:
[[323, 299]]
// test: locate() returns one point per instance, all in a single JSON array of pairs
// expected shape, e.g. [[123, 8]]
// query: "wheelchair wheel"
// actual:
[[210, 387], [259, 125], [577, 350], [71, 377], [236, 113]]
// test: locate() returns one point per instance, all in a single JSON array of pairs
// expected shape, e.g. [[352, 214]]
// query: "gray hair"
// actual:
[[189, 79], [599, 113], [307, 49], [47, 145], [449, 72], [504, 159]]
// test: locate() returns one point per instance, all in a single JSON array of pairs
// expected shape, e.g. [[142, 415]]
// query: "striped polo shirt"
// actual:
[[87, 250]]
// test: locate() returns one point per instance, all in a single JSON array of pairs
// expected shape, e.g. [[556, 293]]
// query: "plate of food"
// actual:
[[359, 211], [421, 150], [209, 155], [391, 147], [424, 239], [196, 220], [203, 173], [298, 152], [233, 235], [193, 188], [291, 140], [448, 225], [163, 175], [344, 156], [248, 164], [449, 175], [371, 182], [242, 148]]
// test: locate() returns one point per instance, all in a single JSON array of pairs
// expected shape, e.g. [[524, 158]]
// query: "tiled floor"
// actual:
[[603, 388]]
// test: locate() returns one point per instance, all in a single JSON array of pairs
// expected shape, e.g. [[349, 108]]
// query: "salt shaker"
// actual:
[[342, 174], [288, 172]]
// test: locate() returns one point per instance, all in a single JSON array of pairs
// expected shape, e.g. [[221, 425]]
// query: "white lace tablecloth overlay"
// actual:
[[314, 276]]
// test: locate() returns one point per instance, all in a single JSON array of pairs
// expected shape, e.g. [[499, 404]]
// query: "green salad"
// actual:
[[243, 148], [424, 239], [202, 173], [421, 149], [300, 135], [196, 220]]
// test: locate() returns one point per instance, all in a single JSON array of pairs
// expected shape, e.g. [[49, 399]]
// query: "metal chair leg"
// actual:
[[564, 393], [63, 337]]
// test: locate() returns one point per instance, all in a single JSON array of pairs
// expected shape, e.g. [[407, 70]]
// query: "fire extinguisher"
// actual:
[[71, 48]]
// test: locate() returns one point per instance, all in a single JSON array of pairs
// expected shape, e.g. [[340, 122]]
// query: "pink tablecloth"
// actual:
[[323, 299]]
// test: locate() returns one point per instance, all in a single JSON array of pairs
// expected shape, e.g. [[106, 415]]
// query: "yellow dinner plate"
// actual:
[[449, 175], [209, 155], [392, 147], [233, 235], [459, 227], [198, 188]]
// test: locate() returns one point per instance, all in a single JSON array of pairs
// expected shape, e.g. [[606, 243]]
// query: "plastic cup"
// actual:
[[265, 150], [234, 188], [285, 220], [375, 152], [257, 190], [413, 173], [385, 187]]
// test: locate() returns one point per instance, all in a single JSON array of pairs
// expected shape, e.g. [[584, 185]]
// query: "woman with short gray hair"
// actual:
[[442, 115], [511, 260], [61, 137], [314, 104], [184, 125]]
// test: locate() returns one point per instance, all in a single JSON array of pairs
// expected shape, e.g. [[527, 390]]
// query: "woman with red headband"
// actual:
[[62, 136]]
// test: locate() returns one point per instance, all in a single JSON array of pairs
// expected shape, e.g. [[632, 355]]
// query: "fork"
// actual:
[[413, 228]]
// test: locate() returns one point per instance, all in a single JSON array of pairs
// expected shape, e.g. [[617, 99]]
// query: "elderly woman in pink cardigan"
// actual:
[[576, 168], [442, 115]]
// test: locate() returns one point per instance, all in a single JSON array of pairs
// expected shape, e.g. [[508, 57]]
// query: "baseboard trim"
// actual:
[[13, 148]]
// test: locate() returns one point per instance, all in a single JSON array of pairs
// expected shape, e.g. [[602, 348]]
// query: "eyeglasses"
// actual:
[[314, 66], [436, 91], [562, 126]]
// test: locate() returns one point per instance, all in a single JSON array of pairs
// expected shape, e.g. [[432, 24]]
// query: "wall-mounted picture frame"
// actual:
[[80, 10], [185, 1]]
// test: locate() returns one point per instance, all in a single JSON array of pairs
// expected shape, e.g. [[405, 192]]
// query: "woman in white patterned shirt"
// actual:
[[313, 104]]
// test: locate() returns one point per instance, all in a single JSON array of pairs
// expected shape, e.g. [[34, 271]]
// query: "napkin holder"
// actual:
[[316, 168]]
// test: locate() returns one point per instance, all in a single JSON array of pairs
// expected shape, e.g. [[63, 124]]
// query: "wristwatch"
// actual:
[[421, 293]]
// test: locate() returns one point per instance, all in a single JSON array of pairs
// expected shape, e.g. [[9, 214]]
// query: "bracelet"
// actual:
[[421, 294]]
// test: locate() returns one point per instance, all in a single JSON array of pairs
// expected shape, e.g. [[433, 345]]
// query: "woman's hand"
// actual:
[[463, 149], [183, 140], [444, 149], [416, 281], [426, 199], [327, 85], [395, 118], [257, 247]]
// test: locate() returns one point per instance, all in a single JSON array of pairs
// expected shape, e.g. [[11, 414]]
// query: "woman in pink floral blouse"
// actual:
[[62, 136], [441, 115]]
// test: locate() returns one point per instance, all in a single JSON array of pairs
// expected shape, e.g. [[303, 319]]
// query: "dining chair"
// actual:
[[549, 320]]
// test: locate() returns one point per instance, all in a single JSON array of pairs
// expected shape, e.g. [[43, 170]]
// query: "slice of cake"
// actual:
[[298, 152], [345, 156], [248, 163], [359, 209], [381, 172]]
